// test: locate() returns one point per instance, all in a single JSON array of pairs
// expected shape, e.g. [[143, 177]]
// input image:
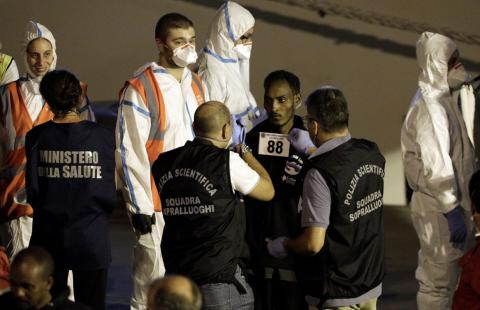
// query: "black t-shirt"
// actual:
[[281, 215]]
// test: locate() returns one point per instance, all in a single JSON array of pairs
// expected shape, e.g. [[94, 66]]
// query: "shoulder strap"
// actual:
[[197, 86]]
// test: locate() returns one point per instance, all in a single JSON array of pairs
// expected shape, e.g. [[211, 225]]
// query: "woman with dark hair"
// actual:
[[71, 187]]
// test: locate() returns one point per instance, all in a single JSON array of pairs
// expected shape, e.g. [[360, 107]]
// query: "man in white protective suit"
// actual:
[[225, 65], [155, 115], [438, 157]]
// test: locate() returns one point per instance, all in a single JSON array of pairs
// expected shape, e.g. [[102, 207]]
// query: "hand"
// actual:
[[276, 247], [143, 223], [238, 131], [457, 227], [300, 140]]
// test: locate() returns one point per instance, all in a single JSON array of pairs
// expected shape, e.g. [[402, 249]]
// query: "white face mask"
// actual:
[[184, 55], [457, 76], [243, 51]]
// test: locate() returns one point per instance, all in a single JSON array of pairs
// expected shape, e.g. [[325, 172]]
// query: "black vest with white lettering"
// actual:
[[70, 176], [351, 261], [204, 235]]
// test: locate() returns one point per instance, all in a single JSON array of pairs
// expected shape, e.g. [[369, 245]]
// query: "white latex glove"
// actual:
[[276, 247]]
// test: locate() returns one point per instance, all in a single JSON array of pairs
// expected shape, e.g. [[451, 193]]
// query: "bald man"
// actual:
[[174, 293], [199, 186], [30, 283]]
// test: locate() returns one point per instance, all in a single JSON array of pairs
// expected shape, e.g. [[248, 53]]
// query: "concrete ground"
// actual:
[[399, 287]]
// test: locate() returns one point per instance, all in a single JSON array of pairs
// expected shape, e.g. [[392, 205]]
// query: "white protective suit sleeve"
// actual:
[[467, 98], [426, 144], [133, 166]]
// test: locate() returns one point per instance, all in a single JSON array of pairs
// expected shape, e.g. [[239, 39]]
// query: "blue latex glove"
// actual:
[[276, 248], [457, 227], [300, 140], [238, 131], [262, 116]]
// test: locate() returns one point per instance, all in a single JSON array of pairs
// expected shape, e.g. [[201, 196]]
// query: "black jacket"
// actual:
[[70, 180]]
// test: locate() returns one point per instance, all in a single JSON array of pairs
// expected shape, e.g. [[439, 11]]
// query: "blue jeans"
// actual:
[[225, 296]]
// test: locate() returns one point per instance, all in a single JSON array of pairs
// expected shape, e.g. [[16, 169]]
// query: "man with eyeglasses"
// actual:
[[340, 250], [225, 65]]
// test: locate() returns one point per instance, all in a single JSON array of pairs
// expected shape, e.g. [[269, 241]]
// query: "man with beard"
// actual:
[[275, 284]]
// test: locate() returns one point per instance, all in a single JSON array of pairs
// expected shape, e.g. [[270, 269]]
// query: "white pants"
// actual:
[[15, 235], [438, 270], [147, 263]]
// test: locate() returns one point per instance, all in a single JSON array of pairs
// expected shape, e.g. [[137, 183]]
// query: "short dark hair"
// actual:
[[283, 75], [474, 190], [171, 21], [329, 107], [62, 91], [40, 256]]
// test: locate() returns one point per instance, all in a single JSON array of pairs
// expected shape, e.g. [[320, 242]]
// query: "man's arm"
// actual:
[[132, 164], [309, 243], [433, 139], [264, 189], [316, 204]]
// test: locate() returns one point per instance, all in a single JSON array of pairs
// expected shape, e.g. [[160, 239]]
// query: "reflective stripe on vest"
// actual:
[[16, 122], [197, 87], [146, 86], [5, 61]]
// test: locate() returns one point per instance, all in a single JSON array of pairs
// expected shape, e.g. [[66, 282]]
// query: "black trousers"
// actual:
[[89, 286], [275, 294]]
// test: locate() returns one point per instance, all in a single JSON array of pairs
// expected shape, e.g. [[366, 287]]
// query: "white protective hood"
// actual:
[[433, 52], [219, 60], [34, 31], [231, 21]]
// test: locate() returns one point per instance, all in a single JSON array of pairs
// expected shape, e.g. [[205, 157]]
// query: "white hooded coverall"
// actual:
[[225, 75], [439, 160], [132, 131]]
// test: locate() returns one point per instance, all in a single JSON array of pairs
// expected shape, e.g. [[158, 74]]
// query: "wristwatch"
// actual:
[[244, 149]]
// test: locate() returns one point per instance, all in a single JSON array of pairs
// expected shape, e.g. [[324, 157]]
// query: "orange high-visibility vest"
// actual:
[[16, 121], [146, 86]]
